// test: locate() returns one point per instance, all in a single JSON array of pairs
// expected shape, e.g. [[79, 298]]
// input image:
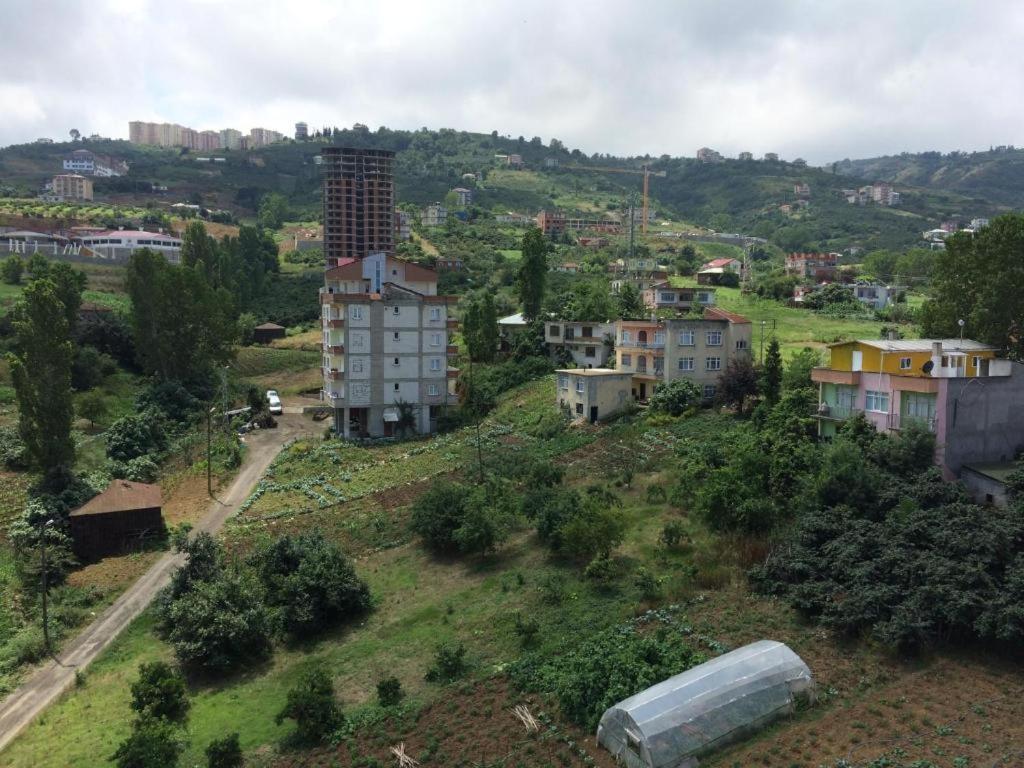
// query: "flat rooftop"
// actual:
[[594, 372]]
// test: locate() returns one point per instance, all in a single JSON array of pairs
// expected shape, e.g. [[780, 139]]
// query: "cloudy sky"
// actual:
[[822, 79]]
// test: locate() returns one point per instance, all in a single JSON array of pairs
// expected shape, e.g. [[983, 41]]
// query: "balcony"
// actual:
[[451, 324], [453, 373], [832, 376], [836, 412], [642, 344], [336, 323], [334, 374], [452, 349], [334, 397], [335, 349]]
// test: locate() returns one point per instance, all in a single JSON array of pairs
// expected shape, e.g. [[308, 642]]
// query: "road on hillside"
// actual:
[[47, 683]]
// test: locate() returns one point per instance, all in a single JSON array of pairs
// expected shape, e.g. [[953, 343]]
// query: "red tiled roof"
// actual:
[[714, 313], [121, 496]]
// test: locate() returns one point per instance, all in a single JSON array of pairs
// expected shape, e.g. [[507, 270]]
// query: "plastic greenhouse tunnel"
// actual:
[[671, 724]]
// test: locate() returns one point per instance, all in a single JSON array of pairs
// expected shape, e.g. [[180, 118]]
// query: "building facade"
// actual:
[[119, 245], [957, 389], [554, 223], [698, 349], [359, 203], [88, 163], [71, 186], [385, 346], [592, 393], [819, 267], [434, 215], [664, 296], [301, 131], [589, 344]]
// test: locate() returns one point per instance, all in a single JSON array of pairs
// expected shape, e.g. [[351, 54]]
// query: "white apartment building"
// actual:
[[88, 163], [434, 215], [589, 344], [386, 337]]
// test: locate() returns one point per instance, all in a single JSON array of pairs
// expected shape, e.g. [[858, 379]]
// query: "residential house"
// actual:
[[403, 226], [664, 296], [978, 223], [508, 327], [802, 190], [589, 343], [818, 267], [957, 389], [434, 215], [592, 393], [569, 267], [698, 349], [514, 160], [550, 162], [873, 294], [448, 265], [88, 163], [711, 273], [592, 242], [463, 196], [71, 186]]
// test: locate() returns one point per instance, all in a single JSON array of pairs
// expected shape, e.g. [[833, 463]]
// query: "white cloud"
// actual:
[[824, 80]]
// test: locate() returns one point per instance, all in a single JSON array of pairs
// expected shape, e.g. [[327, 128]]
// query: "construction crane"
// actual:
[[643, 171]]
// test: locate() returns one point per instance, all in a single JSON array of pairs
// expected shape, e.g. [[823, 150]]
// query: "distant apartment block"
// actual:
[[230, 139], [301, 131], [463, 196], [71, 186], [434, 215], [708, 155], [88, 163], [262, 137], [770, 157], [978, 223], [817, 267], [359, 203], [697, 349], [745, 156], [662, 296], [174, 135], [554, 223], [516, 219], [403, 226]]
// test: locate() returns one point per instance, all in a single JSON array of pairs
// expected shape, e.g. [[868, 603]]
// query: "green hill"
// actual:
[[731, 196]]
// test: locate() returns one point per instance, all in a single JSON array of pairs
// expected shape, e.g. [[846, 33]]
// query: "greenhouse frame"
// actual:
[[672, 723]]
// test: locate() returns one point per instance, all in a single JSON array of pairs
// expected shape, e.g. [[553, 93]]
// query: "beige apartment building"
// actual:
[[72, 186], [386, 339], [593, 393], [698, 349], [589, 344]]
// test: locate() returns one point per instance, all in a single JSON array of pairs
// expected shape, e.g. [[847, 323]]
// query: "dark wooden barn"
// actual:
[[120, 519], [266, 333]]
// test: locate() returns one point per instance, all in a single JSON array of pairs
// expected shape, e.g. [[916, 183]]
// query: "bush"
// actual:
[[449, 663], [12, 270], [224, 753], [92, 407], [673, 534], [601, 569], [171, 400], [135, 435], [160, 693], [647, 583], [219, 624], [13, 453], [88, 367], [451, 517], [152, 743], [437, 514], [309, 583], [389, 691], [110, 334], [595, 530], [675, 397], [312, 706], [527, 629]]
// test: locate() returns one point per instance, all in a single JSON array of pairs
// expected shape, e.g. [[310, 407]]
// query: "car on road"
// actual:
[[275, 402]]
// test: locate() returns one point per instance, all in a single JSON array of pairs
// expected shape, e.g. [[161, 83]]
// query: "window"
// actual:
[[659, 364], [713, 364], [590, 351], [579, 409], [627, 337], [579, 385], [327, 362], [685, 363], [705, 297], [686, 338], [587, 331], [741, 344], [396, 335], [554, 330], [395, 361], [667, 297], [432, 390], [976, 362], [627, 359], [876, 401], [357, 313], [435, 364], [709, 391], [659, 337], [357, 365], [435, 313], [904, 363], [714, 338], [563, 381], [396, 386], [435, 339], [396, 310]]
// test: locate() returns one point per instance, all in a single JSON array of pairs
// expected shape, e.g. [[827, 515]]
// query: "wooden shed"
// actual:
[[266, 333], [121, 518]]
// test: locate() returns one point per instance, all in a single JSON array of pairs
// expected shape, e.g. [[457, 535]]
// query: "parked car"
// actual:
[[275, 402]]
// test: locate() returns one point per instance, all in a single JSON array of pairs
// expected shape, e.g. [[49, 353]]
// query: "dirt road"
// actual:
[[48, 682]]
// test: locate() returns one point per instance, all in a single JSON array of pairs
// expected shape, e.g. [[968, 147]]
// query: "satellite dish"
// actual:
[[927, 367]]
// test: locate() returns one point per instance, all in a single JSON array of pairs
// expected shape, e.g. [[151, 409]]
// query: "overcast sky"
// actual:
[[821, 79]]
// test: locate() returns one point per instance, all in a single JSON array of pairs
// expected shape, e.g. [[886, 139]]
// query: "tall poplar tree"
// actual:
[[533, 272]]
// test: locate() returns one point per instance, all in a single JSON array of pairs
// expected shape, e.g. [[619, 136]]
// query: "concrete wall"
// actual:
[[608, 392], [983, 489], [984, 419]]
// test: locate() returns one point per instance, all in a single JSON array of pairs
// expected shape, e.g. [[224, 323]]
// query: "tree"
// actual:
[[160, 693], [224, 753], [153, 743], [798, 370], [92, 407], [13, 269], [631, 304], [75, 134], [471, 329], [41, 373], [594, 530], [675, 397], [488, 328], [312, 706], [771, 373], [135, 435], [69, 284], [452, 517], [273, 211], [199, 251], [533, 271], [309, 583], [738, 381], [38, 266], [979, 278]]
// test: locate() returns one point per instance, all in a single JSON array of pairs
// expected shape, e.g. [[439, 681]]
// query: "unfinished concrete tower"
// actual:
[[359, 203]]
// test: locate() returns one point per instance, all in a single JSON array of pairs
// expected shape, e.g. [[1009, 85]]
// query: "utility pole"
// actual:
[[46, 587], [479, 418], [209, 453], [763, 322]]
